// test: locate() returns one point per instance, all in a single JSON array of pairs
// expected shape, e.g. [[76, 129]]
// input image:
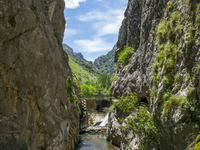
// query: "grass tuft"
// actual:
[[125, 56]]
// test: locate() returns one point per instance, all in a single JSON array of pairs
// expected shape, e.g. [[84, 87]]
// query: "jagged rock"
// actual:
[[34, 110], [138, 30], [118, 137]]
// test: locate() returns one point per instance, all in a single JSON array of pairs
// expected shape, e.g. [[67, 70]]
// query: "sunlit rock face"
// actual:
[[34, 111], [139, 30]]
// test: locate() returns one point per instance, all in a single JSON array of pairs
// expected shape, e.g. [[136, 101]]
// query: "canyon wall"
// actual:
[[36, 110], [165, 35]]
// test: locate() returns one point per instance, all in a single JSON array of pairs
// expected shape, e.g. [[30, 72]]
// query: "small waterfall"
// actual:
[[105, 121]]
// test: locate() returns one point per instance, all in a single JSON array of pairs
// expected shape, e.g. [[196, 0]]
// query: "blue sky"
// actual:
[[92, 26]]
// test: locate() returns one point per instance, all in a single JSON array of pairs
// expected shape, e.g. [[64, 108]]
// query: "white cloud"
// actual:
[[104, 22], [67, 19], [73, 3], [95, 45], [70, 32]]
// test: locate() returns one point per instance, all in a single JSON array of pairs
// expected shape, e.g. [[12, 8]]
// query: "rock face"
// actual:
[[34, 103], [120, 138], [165, 36]]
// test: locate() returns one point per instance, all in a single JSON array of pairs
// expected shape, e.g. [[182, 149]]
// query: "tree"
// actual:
[[104, 80]]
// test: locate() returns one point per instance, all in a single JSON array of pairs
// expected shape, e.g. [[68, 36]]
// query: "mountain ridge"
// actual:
[[105, 63], [102, 64], [70, 51]]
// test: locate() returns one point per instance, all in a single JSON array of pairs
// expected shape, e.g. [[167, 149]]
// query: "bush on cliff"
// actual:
[[141, 122], [125, 56]]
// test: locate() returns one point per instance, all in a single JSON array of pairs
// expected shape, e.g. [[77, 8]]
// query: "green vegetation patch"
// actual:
[[127, 103], [125, 56], [172, 100], [90, 83], [197, 143], [141, 122], [170, 28], [168, 35], [190, 35], [71, 87], [105, 63]]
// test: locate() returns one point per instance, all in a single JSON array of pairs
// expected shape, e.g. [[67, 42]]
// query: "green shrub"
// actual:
[[170, 62], [190, 35], [111, 108], [162, 29], [109, 91], [125, 56], [190, 90], [197, 143], [141, 123], [172, 100], [70, 87], [127, 103], [87, 90]]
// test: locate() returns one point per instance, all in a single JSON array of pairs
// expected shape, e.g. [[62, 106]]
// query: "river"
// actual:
[[95, 142]]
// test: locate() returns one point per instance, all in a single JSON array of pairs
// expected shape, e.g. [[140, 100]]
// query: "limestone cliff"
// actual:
[[165, 65], [35, 110]]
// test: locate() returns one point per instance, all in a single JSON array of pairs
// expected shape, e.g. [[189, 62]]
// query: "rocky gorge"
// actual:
[[38, 110], [39, 100], [163, 69]]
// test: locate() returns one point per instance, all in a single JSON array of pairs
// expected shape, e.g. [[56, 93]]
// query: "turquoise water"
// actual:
[[95, 142]]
